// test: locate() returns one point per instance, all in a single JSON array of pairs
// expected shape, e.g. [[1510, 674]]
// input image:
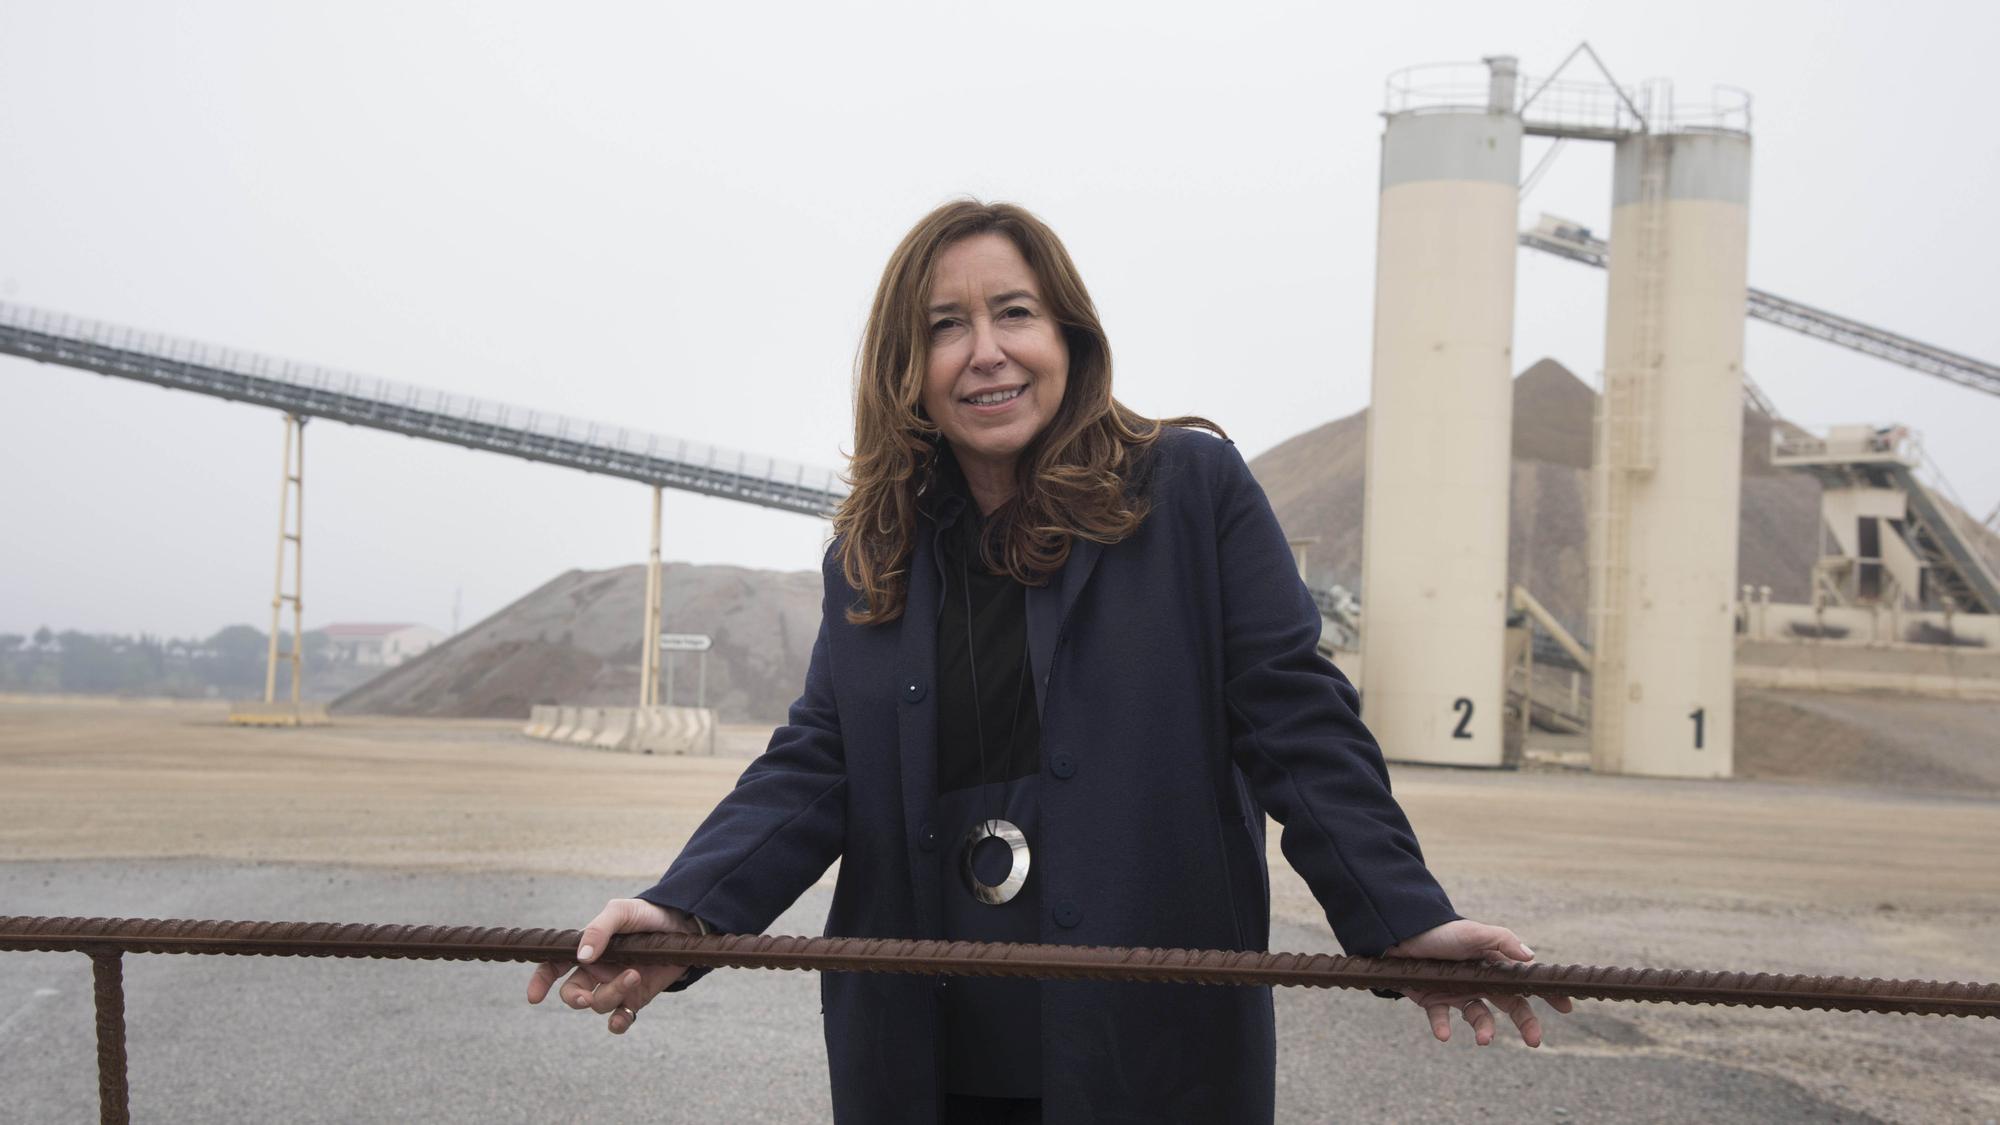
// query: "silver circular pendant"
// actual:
[[1016, 842]]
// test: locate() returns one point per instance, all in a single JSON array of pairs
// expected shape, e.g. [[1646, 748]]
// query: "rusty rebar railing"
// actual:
[[107, 939]]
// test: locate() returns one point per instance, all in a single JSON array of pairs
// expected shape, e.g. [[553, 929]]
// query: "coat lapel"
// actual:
[[1049, 605], [916, 726]]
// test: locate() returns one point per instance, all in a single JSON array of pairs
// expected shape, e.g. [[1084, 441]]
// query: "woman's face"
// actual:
[[991, 336]]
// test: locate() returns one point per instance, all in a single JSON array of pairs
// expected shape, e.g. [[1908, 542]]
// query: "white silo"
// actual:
[[1668, 468], [1434, 549]]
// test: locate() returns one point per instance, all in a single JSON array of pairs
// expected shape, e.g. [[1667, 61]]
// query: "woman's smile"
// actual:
[[994, 401]]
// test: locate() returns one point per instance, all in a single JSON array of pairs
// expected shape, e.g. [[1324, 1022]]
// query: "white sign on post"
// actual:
[[671, 643]]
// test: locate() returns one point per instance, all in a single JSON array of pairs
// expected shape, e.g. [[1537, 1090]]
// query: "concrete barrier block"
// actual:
[[284, 713], [541, 720], [676, 730], [565, 724], [588, 720], [614, 729]]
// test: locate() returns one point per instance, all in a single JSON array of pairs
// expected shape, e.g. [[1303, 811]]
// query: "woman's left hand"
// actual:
[[1466, 940]]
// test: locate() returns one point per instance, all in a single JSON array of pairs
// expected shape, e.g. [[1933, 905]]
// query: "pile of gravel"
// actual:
[[576, 640], [1870, 739], [1315, 482]]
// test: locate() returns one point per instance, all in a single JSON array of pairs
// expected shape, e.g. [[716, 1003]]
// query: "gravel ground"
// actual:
[[1873, 739], [162, 810]]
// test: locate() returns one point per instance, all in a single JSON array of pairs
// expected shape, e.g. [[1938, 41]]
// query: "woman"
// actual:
[[1064, 669]]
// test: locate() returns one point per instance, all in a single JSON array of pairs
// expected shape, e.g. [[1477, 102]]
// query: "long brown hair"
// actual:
[[1071, 478]]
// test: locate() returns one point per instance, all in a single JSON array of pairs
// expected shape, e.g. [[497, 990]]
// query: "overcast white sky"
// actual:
[[672, 217]]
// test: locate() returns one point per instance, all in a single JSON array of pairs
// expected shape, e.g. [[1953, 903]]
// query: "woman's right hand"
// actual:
[[609, 988], [1466, 940]]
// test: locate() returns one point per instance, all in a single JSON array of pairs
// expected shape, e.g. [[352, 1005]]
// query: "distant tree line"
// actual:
[[228, 665]]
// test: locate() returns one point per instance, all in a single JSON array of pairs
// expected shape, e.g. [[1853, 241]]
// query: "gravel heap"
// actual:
[[576, 640], [1315, 482]]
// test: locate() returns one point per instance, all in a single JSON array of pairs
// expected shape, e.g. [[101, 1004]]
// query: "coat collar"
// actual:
[[945, 499]]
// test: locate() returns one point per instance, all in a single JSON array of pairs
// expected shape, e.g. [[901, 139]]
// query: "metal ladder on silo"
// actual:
[[1628, 451]]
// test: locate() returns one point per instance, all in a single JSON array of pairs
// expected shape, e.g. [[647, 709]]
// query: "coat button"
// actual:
[[1062, 765], [913, 692], [1067, 915], [927, 837]]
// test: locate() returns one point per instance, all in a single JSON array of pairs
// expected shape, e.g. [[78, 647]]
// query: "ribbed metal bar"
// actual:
[[107, 970], [1044, 962]]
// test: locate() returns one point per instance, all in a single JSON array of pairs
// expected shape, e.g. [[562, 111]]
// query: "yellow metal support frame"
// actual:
[[291, 529]]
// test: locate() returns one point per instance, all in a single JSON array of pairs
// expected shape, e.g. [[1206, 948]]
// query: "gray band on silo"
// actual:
[[1699, 166], [1476, 146]]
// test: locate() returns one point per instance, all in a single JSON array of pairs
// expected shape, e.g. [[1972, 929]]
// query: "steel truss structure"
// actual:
[[1578, 245], [308, 391]]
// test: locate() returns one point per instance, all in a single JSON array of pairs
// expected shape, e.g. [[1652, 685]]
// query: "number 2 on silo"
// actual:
[[1464, 705]]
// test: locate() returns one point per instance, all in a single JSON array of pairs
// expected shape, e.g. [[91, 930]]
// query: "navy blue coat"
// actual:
[[1182, 697]]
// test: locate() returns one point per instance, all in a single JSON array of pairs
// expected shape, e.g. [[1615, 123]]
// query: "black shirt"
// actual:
[[999, 736]]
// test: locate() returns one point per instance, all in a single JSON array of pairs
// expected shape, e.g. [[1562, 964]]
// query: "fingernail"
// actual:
[[583, 953], [1528, 951]]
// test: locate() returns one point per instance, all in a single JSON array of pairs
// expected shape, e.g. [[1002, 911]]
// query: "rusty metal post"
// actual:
[[107, 971]]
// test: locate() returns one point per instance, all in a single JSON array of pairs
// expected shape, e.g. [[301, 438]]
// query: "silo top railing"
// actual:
[[1565, 107]]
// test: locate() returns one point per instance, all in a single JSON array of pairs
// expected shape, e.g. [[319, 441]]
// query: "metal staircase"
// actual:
[[1953, 560]]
